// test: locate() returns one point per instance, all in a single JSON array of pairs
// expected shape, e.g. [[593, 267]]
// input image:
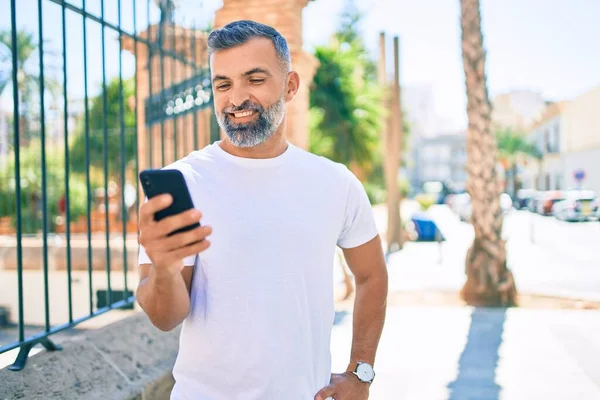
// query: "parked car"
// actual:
[[548, 199], [533, 201], [461, 205], [579, 205]]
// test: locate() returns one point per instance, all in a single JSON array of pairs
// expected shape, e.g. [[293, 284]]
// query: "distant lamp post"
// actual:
[[167, 10]]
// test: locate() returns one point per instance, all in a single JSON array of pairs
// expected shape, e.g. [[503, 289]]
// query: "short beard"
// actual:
[[254, 133]]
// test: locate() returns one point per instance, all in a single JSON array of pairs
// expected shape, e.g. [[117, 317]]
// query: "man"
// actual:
[[256, 301]]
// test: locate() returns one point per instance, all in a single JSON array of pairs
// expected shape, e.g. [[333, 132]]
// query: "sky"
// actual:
[[550, 46]]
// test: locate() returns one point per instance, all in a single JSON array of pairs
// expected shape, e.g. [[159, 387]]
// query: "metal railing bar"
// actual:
[[59, 328], [66, 138], [87, 162], [105, 155], [44, 175], [17, 150], [161, 36], [150, 144], [124, 211], [194, 72], [81, 11], [173, 82]]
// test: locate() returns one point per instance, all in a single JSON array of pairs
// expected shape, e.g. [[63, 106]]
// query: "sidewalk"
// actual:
[[554, 269], [482, 354]]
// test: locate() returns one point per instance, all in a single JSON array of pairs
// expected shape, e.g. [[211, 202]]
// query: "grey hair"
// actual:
[[239, 32]]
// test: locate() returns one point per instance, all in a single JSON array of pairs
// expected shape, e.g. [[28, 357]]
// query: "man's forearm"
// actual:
[[369, 316], [165, 299]]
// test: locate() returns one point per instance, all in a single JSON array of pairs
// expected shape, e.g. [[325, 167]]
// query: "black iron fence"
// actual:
[[97, 90]]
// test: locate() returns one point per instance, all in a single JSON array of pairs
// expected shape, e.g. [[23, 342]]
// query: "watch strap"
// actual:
[[352, 366]]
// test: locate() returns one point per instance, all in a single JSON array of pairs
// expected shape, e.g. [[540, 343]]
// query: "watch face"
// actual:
[[365, 372]]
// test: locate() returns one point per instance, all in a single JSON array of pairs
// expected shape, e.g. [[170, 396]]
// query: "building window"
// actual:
[[444, 153], [443, 172], [428, 153], [540, 142], [430, 172]]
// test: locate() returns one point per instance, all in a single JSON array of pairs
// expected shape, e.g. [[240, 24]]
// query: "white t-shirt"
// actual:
[[262, 305]]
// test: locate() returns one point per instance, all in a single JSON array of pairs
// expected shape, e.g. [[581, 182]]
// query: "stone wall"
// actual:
[[128, 360]]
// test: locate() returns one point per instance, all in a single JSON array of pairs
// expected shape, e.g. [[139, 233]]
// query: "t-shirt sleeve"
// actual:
[[359, 223]]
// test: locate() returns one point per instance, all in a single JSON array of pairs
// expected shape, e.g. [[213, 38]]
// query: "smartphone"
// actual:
[[166, 181]]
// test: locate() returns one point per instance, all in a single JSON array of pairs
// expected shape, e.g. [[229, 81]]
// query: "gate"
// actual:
[[97, 91]]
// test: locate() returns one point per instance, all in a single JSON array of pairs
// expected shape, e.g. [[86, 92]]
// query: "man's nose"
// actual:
[[238, 96]]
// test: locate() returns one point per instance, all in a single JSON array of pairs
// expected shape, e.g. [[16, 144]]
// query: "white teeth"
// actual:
[[243, 114]]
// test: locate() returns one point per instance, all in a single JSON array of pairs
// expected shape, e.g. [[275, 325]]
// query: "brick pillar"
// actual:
[[286, 17], [186, 43]]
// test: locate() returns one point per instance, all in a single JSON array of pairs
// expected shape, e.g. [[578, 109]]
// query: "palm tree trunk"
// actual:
[[489, 281]]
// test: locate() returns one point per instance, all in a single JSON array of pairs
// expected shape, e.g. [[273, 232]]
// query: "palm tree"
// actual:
[[489, 281], [28, 78], [513, 149], [27, 82]]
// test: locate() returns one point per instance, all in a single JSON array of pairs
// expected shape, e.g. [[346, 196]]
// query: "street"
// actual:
[[563, 259]]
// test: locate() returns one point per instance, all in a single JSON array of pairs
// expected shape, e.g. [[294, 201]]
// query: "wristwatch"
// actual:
[[363, 371]]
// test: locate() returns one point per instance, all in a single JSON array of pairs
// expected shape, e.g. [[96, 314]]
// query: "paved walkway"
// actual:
[[555, 266], [482, 354]]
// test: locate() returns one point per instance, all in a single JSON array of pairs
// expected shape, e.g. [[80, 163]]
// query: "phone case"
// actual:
[[163, 181]]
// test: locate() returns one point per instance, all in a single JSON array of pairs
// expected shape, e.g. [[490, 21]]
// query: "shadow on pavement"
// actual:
[[476, 378]]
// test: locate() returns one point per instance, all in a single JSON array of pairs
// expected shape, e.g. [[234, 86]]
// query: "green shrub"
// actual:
[[376, 193], [31, 188]]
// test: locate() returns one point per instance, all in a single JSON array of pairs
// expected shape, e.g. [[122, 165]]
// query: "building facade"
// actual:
[[547, 135], [568, 137], [421, 118], [517, 109], [441, 158], [581, 141]]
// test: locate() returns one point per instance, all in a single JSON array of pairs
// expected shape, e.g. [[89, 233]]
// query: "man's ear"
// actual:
[[292, 85]]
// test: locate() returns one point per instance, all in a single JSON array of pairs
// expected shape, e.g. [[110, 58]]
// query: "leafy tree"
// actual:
[[345, 100], [113, 125], [513, 147], [31, 187]]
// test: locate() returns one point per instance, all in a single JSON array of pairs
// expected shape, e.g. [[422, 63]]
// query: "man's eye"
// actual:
[[224, 86], [256, 81]]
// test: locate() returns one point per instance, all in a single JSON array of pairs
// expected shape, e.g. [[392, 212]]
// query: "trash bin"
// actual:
[[426, 228]]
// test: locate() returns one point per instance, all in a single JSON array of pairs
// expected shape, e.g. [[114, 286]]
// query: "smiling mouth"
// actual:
[[243, 114]]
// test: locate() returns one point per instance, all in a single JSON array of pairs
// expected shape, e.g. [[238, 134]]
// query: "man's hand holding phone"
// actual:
[[167, 252]]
